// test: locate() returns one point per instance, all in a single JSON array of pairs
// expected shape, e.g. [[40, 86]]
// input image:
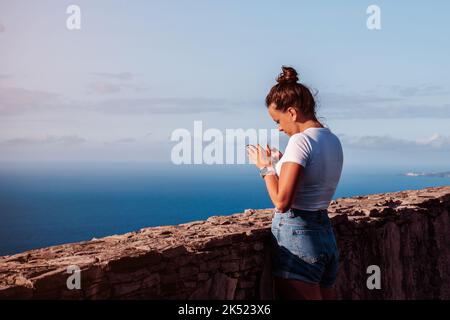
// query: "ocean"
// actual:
[[48, 204]]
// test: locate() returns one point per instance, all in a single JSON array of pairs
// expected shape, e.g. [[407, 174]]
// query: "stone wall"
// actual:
[[407, 234]]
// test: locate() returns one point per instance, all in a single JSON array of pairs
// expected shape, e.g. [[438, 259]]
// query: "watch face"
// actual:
[[264, 171]]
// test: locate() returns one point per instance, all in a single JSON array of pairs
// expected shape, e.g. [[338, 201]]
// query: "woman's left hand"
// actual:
[[259, 156]]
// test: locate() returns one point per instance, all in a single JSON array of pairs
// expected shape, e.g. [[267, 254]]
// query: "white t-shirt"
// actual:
[[319, 151]]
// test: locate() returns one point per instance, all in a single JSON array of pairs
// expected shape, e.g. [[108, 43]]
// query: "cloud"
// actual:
[[342, 105], [109, 88], [436, 142], [2, 27], [373, 104], [5, 76], [415, 91], [391, 111], [67, 140], [121, 141], [18, 100], [103, 88], [365, 106], [15, 101], [355, 99], [162, 105], [123, 76]]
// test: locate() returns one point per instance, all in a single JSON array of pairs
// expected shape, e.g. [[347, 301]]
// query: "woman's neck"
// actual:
[[309, 124]]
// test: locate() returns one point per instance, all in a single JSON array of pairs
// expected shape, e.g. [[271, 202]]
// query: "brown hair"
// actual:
[[290, 93]]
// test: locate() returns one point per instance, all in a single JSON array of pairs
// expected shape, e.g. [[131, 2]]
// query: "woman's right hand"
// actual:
[[276, 154]]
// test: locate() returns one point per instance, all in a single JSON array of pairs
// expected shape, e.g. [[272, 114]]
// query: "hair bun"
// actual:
[[289, 75]]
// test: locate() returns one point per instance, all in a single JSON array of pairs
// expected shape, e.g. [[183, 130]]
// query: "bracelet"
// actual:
[[264, 171]]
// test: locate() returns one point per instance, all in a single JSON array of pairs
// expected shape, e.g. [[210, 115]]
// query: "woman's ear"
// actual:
[[293, 113]]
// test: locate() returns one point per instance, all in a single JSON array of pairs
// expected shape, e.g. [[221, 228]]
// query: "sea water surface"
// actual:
[[53, 203]]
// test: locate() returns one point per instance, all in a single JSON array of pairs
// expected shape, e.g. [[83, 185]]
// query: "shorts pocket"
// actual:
[[307, 245], [292, 222]]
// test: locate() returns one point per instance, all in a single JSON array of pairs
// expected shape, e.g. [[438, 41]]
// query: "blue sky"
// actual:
[[117, 88]]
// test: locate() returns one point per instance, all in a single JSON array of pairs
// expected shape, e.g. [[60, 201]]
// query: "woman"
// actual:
[[305, 256]]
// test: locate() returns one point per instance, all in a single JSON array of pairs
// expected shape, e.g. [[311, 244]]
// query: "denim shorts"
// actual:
[[304, 247]]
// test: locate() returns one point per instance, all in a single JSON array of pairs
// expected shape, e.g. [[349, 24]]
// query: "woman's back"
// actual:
[[319, 151]]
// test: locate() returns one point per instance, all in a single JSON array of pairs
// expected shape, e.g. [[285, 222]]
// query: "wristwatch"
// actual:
[[264, 171]]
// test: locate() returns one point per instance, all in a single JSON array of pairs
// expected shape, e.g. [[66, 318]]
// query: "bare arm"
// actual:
[[281, 190]]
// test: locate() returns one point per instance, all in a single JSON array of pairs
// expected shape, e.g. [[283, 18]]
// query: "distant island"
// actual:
[[432, 174]]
